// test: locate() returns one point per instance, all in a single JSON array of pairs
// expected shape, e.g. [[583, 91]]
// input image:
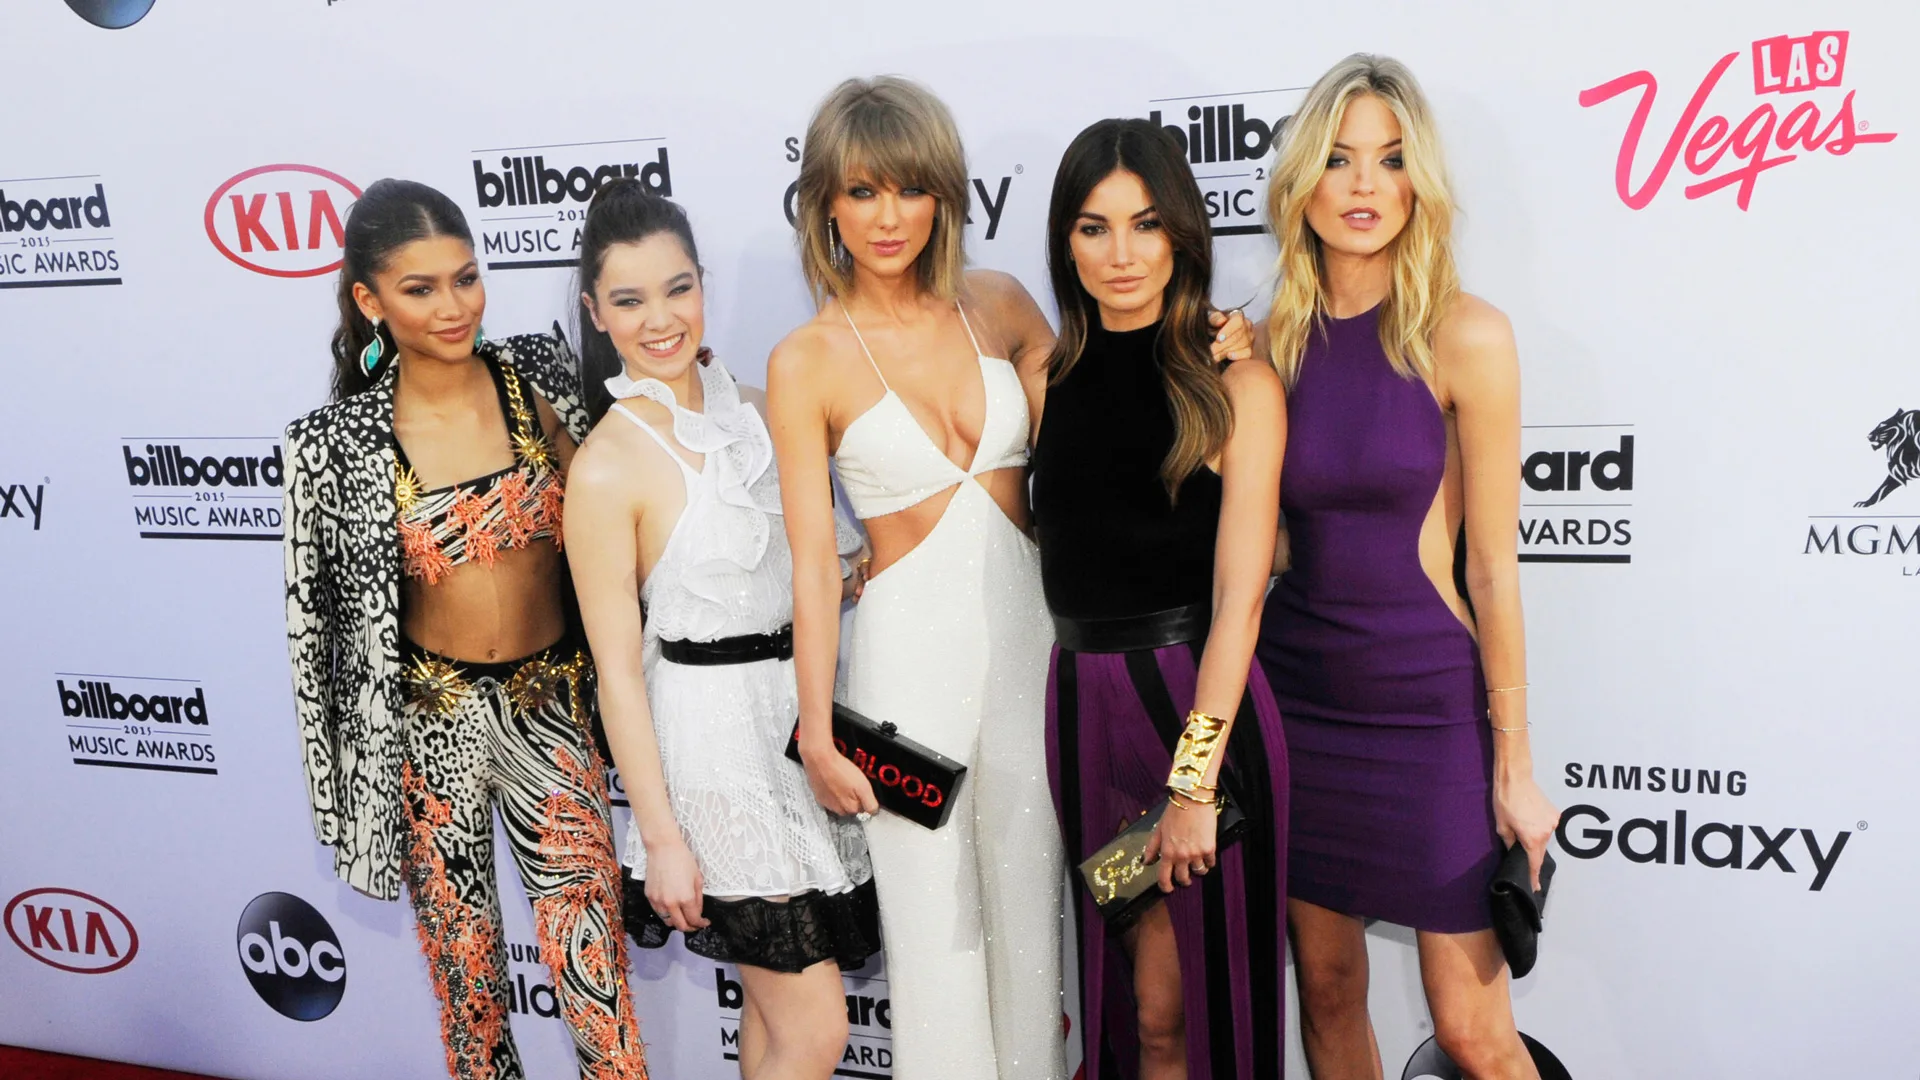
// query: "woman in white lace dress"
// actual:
[[682, 568]]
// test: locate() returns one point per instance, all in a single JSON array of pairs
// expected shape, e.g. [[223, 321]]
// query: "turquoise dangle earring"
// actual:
[[479, 336], [370, 356]]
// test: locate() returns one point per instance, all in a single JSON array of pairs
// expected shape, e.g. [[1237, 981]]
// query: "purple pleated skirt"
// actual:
[[1113, 720]]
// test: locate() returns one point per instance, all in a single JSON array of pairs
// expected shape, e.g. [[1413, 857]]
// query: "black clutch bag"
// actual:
[[1517, 909], [1122, 884], [917, 783]]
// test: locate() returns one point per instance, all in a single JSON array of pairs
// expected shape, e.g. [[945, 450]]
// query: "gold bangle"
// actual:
[[1523, 727], [1506, 689], [1186, 802], [1198, 742]]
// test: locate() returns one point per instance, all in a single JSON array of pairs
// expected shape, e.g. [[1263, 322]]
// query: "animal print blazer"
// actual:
[[343, 569]]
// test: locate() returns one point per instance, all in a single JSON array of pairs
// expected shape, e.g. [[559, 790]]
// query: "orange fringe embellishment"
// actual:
[[457, 941], [424, 557], [579, 846]]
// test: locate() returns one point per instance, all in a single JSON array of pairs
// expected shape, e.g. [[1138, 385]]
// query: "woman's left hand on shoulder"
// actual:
[[1233, 335]]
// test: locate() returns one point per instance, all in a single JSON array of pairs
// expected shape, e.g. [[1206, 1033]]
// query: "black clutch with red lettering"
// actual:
[[917, 783]]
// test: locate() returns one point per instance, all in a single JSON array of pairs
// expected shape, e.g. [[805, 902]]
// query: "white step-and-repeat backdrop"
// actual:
[[1700, 222]]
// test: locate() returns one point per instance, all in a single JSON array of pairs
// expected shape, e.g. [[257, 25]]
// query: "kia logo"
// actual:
[[291, 956], [111, 14], [71, 931], [282, 220]]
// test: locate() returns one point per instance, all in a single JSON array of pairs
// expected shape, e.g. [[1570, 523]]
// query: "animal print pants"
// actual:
[[516, 734]]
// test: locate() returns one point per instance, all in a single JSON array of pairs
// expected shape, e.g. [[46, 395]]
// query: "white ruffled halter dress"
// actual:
[[745, 809]]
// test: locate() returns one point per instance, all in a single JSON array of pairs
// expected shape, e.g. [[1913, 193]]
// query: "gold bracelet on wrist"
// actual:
[[1195, 751], [1506, 689], [1522, 727], [1185, 801]]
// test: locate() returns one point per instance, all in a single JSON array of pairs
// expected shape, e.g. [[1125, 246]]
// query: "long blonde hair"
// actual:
[[897, 132], [1425, 281]]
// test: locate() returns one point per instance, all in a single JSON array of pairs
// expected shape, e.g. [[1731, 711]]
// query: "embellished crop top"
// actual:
[[475, 520]]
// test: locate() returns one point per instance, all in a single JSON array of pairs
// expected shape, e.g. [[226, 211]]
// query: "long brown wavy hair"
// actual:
[[1202, 417]]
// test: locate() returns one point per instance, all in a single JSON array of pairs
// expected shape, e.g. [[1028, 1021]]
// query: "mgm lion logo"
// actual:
[[1899, 436]]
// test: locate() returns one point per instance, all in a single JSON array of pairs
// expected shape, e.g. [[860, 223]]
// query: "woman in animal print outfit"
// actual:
[[435, 666]]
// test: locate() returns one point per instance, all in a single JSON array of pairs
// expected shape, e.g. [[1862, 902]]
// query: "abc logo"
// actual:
[[1430, 1062], [111, 14], [291, 956]]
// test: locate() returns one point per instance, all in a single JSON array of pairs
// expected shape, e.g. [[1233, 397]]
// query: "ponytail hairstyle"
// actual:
[[390, 215], [623, 211], [1202, 417]]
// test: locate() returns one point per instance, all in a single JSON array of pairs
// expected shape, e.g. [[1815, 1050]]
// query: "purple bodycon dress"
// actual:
[[1378, 682]]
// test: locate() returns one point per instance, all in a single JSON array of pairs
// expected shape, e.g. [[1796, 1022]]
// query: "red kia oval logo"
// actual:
[[71, 931], [282, 220]]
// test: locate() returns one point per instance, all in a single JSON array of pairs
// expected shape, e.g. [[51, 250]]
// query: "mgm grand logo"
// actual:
[[1885, 533]]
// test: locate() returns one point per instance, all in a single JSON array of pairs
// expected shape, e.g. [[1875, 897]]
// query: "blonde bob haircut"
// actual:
[[1425, 282], [885, 130]]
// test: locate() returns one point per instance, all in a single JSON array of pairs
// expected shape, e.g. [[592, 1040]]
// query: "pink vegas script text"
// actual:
[[1762, 141]]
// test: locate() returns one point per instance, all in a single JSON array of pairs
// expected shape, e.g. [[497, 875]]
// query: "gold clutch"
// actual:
[[1122, 884]]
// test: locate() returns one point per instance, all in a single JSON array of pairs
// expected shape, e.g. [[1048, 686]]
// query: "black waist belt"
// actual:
[[1131, 633], [746, 649]]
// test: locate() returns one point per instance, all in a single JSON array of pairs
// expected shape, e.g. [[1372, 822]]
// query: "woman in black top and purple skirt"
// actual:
[[1155, 495]]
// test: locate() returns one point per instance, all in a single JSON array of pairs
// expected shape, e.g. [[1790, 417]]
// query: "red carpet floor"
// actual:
[[18, 1064]]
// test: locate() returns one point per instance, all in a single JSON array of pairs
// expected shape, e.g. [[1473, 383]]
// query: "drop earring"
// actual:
[[479, 336], [370, 356], [838, 254]]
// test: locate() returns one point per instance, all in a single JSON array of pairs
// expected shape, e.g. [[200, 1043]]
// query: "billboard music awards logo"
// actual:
[[71, 931], [128, 722], [213, 488], [869, 1052], [56, 232], [23, 502], [1672, 837], [291, 956], [111, 14], [282, 220], [1724, 153], [1894, 529], [1229, 140], [988, 200], [1576, 502], [533, 200]]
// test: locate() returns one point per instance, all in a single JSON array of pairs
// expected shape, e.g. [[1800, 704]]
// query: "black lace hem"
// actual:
[[787, 936]]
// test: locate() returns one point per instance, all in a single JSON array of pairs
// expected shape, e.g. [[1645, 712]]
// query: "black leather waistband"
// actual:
[[1156, 629], [746, 649]]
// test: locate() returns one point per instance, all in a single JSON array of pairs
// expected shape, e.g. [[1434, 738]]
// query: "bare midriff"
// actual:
[[490, 614], [895, 535]]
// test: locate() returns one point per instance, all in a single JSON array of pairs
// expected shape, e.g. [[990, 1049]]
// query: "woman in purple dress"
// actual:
[[1156, 497], [1393, 641]]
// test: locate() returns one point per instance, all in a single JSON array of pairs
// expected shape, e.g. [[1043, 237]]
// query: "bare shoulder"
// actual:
[[602, 468], [999, 295], [985, 287], [800, 356], [1472, 329], [1006, 313], [1253, 384]]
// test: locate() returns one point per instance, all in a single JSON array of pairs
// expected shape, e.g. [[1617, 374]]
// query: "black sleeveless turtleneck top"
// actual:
[[1111, 543]]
